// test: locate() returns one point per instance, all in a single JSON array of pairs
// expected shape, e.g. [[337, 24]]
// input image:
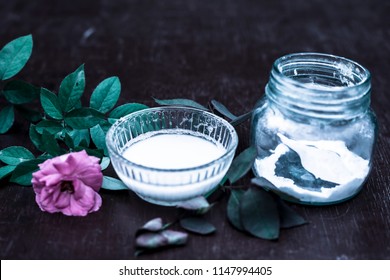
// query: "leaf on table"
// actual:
[[198, 204], [7, 116], [106, 95], [240, 119], [233, 209], [51, 104], [110, 183], [241, 165], [197, 225], [154, 240], [222, 109], [6, 170], [14, 155], [180, 102], [14, 56], [288, 217], [19, 92], [126, 109], [259, 214], [22, 174], [153, 225], [71, 89], [79, 137], [84, 118]]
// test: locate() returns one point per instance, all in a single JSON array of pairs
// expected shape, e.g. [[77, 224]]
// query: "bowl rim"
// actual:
[[113, 152]]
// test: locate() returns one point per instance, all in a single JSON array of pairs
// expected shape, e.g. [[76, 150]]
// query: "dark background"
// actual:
[[201, 50]]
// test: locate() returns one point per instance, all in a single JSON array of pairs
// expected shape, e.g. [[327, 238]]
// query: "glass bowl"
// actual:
[[166, 185]]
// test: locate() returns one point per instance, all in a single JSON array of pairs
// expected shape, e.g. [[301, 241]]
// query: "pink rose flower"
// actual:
[[69, 184]]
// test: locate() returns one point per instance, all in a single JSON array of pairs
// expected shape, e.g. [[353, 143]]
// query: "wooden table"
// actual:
[[201, 50]]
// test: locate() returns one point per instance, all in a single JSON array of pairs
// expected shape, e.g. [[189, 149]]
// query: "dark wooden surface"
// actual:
[[201, 50]]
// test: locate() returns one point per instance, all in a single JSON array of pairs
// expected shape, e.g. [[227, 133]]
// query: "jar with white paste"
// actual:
[[314, 130]]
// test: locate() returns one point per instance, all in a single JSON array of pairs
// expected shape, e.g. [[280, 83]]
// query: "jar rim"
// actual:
[[343, 64]]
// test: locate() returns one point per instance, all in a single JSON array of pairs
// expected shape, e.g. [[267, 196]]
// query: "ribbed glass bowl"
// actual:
[[170, 186]]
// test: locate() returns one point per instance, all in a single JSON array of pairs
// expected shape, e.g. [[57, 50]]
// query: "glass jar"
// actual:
[[314, 131]]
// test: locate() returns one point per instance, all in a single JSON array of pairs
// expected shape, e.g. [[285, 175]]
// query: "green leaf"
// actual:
[[259, 214], [79, 137], [84, 118], [19, 92], [51, 104], [50, 144], [53, 127], [240, 119], [223, 110], [151, 240], [99, 138], [6, 170], [288, 217], [113, 184], [106, 94], [14, 55], [6, 118], [15, 154], [233, 209], [197, 225], [196, 203], [36, 138], [153, 225], [241, 165], [126, 109], [71, 89], [105, 162], [22, 174], [180, 102]]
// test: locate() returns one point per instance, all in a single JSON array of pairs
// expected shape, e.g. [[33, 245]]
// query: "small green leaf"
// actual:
[[106, 94], [22, 174], [233, 209], [153, 225], [197, 225], [80, 137], [105, 162], [259, 214], [51, 104], [180, 102], [36, 138], [126, 109], [113, 184], [84, 118], [71, 89], [241, 165], [175, 237], [50, 144], [53, 127], [6, 118], [14, 55], [15, 154], [240, 119], [99, 138], [196, 203], [222, 109], [288, 217], [6, 170], [19, 92]]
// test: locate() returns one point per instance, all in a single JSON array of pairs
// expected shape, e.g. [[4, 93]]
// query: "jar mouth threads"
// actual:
[[320, 85]]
